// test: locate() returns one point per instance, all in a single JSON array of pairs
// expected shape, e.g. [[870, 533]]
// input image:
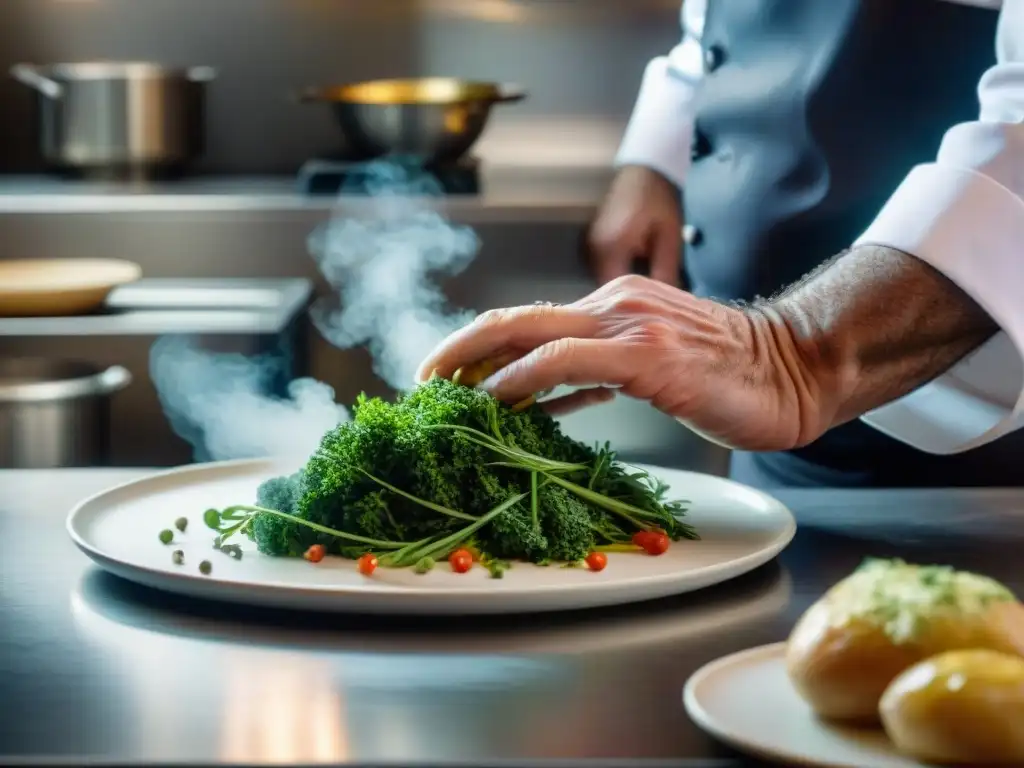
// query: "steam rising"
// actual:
[[382, 269], [220, 403]]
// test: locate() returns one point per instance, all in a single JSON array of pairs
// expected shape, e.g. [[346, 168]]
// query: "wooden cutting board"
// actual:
[[60, 287]]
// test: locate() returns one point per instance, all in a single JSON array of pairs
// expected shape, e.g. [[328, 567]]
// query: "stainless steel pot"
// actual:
[[56, 413], [433, 119], [118, 118]]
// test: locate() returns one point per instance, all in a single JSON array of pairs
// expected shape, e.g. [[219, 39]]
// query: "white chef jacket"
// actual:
[[963, 214]]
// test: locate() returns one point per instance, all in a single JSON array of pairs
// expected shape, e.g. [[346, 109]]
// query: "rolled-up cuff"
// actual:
[[971, 229], [959, 410], [660, 130]]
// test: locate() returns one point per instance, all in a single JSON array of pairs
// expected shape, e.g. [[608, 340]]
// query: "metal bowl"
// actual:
[[431, 119]]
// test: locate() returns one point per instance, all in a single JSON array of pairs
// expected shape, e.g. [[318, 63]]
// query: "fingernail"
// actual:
[[522, 405], [476, 373]]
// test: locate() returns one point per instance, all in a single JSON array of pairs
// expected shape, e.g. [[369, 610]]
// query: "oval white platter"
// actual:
[[740, 529], [747, 701]]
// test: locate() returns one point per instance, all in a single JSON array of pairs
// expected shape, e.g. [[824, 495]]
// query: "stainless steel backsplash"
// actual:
[[580, 60]]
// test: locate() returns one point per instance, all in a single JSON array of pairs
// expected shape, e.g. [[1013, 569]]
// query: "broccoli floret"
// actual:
[[280, 493], [277, 536]]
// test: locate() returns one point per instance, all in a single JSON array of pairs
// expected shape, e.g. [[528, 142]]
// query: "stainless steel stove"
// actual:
[[327, 176]]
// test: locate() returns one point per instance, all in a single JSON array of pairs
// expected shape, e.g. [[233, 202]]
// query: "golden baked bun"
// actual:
[[885, 617], [963, 707]]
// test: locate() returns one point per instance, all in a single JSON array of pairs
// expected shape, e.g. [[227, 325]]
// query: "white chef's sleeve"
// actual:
[[660, 130], [964, 215]]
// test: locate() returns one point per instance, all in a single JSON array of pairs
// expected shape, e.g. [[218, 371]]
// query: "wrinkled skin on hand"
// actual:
[[640, 219], [731, 374]]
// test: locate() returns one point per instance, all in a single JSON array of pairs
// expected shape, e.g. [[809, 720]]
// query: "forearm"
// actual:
[[869, 327]]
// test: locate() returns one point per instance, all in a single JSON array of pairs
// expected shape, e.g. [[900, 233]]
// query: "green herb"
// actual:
[[211, 518], [181, 524], [166, 536], [178, 557], [205, 567]]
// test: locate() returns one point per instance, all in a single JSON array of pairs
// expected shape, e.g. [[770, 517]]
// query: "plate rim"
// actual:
[[703, 720], [739, 566]]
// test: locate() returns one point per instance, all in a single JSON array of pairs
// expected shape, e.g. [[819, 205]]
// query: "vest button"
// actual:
[[692, 235], [701, 146], [714, 55]]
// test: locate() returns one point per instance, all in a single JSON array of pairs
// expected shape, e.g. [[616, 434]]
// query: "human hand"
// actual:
[[640, 218], [733, 375]]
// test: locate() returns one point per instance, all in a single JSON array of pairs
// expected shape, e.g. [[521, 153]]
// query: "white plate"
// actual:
[[740, 528], [747, 701]]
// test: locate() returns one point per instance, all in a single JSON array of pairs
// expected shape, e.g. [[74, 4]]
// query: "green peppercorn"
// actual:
[[178, 557], [205, 567], [181, 524], [166, 536]]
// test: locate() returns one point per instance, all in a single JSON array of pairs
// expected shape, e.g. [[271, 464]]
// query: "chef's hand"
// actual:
[[733, 375], [640, 218]]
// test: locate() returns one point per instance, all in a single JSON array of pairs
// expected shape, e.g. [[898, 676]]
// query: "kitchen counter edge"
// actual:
[[559, 194]]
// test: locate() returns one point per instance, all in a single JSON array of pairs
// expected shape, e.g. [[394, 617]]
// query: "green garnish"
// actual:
[[447, 467], [166, 536], [181, 524], [205, 567], [497, 568], [211, 518]]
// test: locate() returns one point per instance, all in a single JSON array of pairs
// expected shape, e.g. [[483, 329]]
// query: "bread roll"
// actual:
[[964, 707], [884, 618]]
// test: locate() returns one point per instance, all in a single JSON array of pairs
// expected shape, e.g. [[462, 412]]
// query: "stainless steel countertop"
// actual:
[[507, 191], [94, 668], [171, 305]]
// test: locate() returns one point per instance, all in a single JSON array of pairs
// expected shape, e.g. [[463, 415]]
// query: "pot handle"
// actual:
[[507, 94], [201, 74], [29, 75], [113, 379]]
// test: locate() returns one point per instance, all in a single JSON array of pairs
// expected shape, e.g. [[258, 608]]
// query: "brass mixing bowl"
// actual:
[[431, 119]]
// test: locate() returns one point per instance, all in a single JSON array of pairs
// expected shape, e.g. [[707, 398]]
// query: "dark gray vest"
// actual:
[[811, 114]]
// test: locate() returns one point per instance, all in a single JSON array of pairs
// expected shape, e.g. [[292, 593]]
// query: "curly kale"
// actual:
[[445, 467]]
